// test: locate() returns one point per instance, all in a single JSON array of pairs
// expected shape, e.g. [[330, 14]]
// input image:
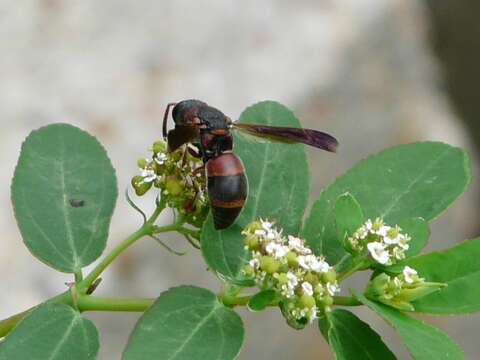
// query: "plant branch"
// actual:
[[95, 303], [346, 301]]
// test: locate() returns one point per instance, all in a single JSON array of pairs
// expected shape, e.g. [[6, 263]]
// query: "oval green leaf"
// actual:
[[414, 180], [459, 268], [187, 323], [419, 231], [424, 342], [51, 331], [278, 178], [348, 216], [351, 338], [261, 300], [63, 193]]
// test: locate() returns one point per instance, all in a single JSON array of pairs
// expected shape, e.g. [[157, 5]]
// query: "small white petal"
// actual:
[[409, 274], [378, 252], [332, 288], [307, 288]]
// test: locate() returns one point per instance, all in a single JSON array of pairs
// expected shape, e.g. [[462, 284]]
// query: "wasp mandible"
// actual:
[[210, 131]]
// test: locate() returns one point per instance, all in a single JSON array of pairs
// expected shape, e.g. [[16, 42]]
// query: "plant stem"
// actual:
[[354, 268], [146, 229], [95, 303], [346, 301]]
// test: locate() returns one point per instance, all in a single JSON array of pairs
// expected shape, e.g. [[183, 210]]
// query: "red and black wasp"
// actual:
[[210, 131]]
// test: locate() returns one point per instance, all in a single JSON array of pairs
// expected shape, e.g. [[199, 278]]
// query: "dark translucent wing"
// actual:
[[310, 137], [182, 134]]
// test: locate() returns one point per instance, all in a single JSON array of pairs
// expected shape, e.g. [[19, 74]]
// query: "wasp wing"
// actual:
[[180, 135], [310, 137]]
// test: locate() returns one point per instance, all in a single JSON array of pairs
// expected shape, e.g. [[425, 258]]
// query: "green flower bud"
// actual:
[[269, 264], [159, 146], [307, 301], [311, 278], [292, 259], [326, 301], [249, 271], [330, 276], [252, 242], [417, 292], [140, 186], [282, 278], [173, 186], [142, 163]]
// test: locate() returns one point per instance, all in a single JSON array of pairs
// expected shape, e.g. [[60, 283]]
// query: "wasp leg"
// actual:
[[165, 119]]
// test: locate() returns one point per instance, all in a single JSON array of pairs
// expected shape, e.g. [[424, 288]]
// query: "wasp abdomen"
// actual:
[[227, 188]]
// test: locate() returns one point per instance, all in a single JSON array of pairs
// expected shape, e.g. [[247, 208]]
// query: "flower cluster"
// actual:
[[173, 173], [399, 291], [304, 283], [385, 244]]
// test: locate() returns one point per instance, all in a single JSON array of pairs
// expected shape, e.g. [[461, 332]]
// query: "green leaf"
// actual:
[[63, 193], [415, 180], [278, 190], [418, 230], [424, 342], [51, 331], [188, 323], [459, 268], [261, 300], [348, 216], [351, 338]]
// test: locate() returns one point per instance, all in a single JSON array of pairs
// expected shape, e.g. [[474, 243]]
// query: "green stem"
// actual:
[[78, 276], [146, 229], [360, 264], [346, 301], [143, 231], [95, 303]]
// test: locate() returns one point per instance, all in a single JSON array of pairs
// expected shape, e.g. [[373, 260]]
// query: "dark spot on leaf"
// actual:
[[77, 203]]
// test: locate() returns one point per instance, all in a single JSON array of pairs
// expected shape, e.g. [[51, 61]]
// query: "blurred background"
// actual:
[[374, 73]]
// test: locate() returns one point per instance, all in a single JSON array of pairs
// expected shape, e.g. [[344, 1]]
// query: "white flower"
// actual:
[[254, 263], [361, 233], [292, 280], [307, 288], [260, 232], [277, 250], [392, 236], [297, 244], [160, 158], [332, 288], [369, 225], [409, 275], [311, 262], [287, 291], [266, 224], [378, 252], [403, 240], [383, 231], [398, 253], [312, 314], [149, 175]]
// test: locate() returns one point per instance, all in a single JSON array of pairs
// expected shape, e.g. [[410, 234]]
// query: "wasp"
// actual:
[[210, 131]]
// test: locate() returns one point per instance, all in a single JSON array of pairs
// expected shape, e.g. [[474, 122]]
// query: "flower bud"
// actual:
[[269, 264], [173, 186], [307, 301], [252, 242], [292, 259], [312, 278], [330, 276], [159, 146], [140, 186], [142, 163]]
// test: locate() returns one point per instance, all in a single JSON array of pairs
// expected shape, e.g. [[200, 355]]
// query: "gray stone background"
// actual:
[[362, 70]]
